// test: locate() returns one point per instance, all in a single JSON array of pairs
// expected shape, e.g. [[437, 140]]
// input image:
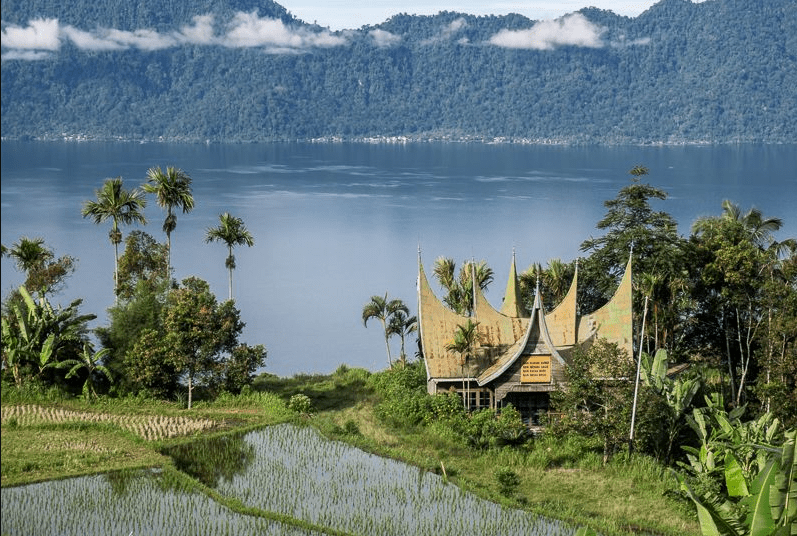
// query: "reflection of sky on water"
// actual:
[[337, 223], [324, 482], [362, 493], [124, 504]]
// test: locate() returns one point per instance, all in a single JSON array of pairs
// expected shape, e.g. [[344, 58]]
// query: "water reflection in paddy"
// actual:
[[137, 505], [297, 472], [286, 469]]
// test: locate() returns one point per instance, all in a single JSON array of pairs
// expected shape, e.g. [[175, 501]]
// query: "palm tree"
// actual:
[[122, 207], [172, 190], [43, 273], [651, 284], [744, 234], [379, 307], [557, 278], [29, 254], [459, 289], [233, 232], [758, 228], [92, 363], [402, 325], [465, 339]]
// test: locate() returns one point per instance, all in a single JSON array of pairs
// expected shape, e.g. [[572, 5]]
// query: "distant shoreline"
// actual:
[[404, 140]]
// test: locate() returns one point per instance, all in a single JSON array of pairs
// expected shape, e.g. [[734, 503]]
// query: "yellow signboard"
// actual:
[[536, 369]]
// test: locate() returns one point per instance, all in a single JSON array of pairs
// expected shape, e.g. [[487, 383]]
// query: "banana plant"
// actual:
[[677, 392], [90, 361], [34, 334], [763, 506], [22, 343]]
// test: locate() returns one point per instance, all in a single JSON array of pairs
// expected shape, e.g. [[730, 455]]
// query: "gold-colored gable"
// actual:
[[503, 338]]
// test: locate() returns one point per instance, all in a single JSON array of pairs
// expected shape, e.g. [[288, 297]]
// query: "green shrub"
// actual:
[[404, 402], [507, 479], [444, 407], [485, 429], [300, 403], [351, 428]]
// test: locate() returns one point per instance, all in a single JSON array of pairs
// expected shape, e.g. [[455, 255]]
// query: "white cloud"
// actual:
[[249, 30], [141, 39], [455, 26], [384, 38], [447, 32], [89, 41], [201, 33], [244, 31], [573, 30], [41, 34], [28, 55]]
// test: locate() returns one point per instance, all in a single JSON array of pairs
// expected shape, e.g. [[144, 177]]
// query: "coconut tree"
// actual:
[[740, 251], [557, 278], [29, 253], [651, 284], [383, 309], [121, 207], [555, 282], [759, 228], [43, 273], [172, 189], [464, 343], [233, 232], [402, 325], [459, 287]]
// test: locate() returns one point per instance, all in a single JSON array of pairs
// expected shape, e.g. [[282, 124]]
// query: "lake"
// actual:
[[335, 223]]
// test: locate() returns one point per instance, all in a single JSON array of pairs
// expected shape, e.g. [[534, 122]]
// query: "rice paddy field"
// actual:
[[141, 505], [248, 464], [147, 427], [331, 483], [277, 480]]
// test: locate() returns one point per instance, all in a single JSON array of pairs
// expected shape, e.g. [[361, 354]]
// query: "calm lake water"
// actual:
[[337, 223]]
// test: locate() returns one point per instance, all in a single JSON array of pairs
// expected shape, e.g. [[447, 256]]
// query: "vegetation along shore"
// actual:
[[711, 389]]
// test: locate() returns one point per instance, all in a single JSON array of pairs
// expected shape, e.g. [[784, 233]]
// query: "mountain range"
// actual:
[[719, 71]]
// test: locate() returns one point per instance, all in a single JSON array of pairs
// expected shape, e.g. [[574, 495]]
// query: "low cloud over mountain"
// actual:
[[247, 70], [248, 30]]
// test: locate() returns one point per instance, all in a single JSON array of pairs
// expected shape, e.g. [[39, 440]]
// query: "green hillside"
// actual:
[[721, 71]]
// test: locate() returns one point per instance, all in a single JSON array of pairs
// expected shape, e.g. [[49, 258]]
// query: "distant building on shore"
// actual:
[[520, 355]]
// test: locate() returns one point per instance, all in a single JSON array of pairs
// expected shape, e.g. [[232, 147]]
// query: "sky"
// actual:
[[353, 14]]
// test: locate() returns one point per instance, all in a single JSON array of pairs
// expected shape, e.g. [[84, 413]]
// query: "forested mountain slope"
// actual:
[[246, 70]]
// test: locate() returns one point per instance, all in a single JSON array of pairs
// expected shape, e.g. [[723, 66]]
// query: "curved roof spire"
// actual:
[[512, 305]]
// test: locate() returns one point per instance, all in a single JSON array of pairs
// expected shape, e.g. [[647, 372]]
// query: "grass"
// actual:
[[563, 479], [556, 479], [47, 451]]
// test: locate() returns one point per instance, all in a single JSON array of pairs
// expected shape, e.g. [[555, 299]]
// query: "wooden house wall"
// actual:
[[509, 381]]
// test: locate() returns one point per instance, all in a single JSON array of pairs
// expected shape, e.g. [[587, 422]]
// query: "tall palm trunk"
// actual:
[[168, 256], [230, 262], [387, 344], [464, 391], [116, 273], [728, 352]]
